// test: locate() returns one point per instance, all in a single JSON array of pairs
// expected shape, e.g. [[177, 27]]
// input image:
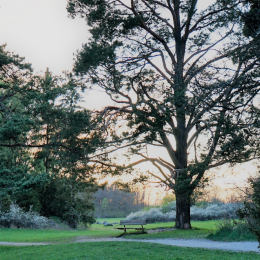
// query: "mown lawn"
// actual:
[[118, 251], [112, 250], [31, 235], [202, 230]]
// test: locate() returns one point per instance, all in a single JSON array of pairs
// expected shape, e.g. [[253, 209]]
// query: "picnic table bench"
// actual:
[[132, 222]]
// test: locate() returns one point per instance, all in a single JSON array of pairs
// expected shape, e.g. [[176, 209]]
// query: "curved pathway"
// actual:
[[201, 243]]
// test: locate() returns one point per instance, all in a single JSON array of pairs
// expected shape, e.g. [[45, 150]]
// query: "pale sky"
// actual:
[[42, 32]]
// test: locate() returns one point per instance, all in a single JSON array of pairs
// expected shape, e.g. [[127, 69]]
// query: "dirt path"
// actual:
[[200, 243]]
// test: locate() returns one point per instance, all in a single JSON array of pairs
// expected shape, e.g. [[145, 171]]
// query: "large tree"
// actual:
[[176, 72]]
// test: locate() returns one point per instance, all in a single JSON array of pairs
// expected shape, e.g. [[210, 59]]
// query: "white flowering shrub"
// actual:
[[212, 211], [215, 211], [153, 215], [16, 217]]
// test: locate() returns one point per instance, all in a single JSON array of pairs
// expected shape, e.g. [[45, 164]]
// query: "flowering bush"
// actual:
[[153, 215], [215, 211], [212, 211], [16, 217]]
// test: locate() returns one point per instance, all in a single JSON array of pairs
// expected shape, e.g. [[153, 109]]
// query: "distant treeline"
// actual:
[[113, 202]]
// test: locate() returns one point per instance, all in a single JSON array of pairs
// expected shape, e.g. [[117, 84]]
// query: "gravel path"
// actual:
[[200, 243]]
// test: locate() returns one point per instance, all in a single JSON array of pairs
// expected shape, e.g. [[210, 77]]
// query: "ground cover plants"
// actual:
[[117, 250]]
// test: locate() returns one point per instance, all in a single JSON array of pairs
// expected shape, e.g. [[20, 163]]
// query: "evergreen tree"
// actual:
[[251, 18], [175, 71], [45, 143]]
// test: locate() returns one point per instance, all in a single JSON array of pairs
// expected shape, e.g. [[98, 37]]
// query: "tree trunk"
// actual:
[[182, 212]]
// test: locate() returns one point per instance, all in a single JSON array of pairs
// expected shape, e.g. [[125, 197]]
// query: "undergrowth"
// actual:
[[232, 230]]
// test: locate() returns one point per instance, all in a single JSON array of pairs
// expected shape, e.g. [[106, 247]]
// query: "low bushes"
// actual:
[[153, 215], [16, 217], [232, 230], [251, 210], [210, 212], [215, 211]]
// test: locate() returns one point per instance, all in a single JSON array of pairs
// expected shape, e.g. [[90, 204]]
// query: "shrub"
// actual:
[[212, 211], [232, 230], [215, 211], [251, 211], [16, 217], [153, 215]]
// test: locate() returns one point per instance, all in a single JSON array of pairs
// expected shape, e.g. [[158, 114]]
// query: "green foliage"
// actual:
[[104, 203], [168, 203], [168, 199], [251, 18], [45, 143], [232, 230], [147, 208], [201, 204], [69, 199]]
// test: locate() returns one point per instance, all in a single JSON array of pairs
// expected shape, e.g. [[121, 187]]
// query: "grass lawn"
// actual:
[[202, 230], [30, 235], [118, 250], [113, 250]]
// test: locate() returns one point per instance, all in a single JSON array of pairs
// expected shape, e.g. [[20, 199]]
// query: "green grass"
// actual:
[[118, 251], [38, 235], [203, 229], [113, 250], [30, 235]]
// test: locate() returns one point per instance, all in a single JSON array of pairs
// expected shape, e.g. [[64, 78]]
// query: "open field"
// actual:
[[118, 250]]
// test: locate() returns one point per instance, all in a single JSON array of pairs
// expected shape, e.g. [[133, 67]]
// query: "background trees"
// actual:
[[113, 202], [45, 143], [175, 73]]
